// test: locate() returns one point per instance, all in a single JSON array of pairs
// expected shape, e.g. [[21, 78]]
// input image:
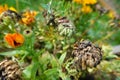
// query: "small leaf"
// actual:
[[13, 53], [51, 72], [34, 70], [28, 71], [45, 6], [62, 57]]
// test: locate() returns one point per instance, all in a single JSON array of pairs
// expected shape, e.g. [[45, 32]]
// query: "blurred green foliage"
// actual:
[[48, 59]]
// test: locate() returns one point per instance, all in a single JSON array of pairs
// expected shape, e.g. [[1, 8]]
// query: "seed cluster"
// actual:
[[86, 54], [9, 70], [64, 25]]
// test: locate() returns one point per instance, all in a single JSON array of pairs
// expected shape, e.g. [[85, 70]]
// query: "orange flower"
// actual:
[[3, 8], [86, 9], [29, 17], [15, 39], [89, 1], [84, 2]]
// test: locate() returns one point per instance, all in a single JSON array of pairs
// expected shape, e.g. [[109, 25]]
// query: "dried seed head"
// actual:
[[86, 54], [9, 70], [12, 14], [64, 25]]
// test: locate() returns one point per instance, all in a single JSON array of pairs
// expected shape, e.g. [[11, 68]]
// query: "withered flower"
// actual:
[[12, 15], [14, 40], [9, 14], [10, 70], [86, 54], [65, 26]]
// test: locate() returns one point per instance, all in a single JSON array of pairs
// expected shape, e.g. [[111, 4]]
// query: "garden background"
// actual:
[[59, 40]]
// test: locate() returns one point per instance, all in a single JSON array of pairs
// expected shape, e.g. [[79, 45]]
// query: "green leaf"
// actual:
[[118, 78], [28, 71], [45, 6], [34, 70], [51, 72], [62, 57], [63, 76], [24, 2], [110, 57], [54, 62], [13, 53]]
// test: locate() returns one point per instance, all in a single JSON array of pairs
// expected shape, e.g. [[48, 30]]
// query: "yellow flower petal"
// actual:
[[111, 14], [86, 9], [13, 9], [84, 2]]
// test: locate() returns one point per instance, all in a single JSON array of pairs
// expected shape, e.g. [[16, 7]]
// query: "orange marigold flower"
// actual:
[[3, 8], [29, 17], [14, 40], [89, 1], [86, 9]]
